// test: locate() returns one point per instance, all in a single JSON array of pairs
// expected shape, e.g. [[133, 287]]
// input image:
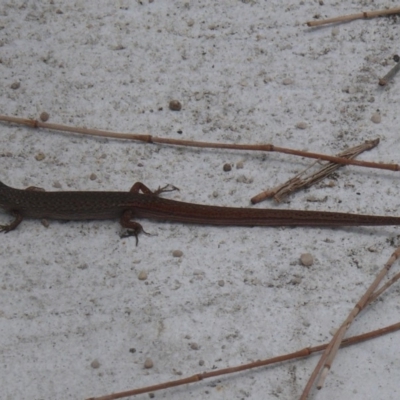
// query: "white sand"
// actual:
[[70, 294]]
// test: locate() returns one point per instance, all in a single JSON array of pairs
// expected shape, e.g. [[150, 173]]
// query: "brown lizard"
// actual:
[[140, 202]]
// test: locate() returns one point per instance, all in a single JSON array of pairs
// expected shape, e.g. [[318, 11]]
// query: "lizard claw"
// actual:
[[134, 232], [5, 228], [166, 188]]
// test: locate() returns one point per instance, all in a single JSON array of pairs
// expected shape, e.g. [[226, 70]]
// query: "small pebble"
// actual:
[[45, 223], [148, 363], [175, 105], [227, 167], [287, 81], [93, 177], [296, 280], [95, 364], [307, 259], [152, 395], [376, 118], [15, 85], [177, 372], [177, 253], [244, 179], [194, 346], [352, 90], [142, 275], [335, 31], [40, 157], [44, 116], [314, 199], [132, 350], [201, 363], [221, 282], [240, 165], [301, 125]]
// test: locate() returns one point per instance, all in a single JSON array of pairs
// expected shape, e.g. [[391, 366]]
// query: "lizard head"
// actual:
[[4, 197]]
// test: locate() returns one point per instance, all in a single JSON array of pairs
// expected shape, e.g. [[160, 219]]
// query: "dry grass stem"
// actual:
[[190, 143], [256, 364], [378, 292], [298, 182], [351, 17], [390, 75], [329, 354]]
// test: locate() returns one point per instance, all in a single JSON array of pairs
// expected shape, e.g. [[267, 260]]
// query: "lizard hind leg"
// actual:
[[141, 187], [133, 228]]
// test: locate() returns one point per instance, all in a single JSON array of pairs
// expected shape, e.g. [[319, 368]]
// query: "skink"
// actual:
[[140, 202]]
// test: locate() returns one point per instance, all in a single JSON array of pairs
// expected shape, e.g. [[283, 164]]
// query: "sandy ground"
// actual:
[[75, 319]]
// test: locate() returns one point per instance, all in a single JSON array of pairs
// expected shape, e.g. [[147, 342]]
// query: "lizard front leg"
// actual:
[[18, 219], [133, 227]]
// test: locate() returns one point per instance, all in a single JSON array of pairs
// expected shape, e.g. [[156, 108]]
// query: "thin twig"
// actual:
[[351, 17], [389, 283], [390, 75], [256, 364], [178, 142], [296, 183], [329, 354]]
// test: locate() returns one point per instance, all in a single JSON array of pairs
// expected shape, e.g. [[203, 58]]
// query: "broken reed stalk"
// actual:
[[256, 364], [178, 142], [389, 283], [323, 367], [351, 17], [298, 182], [390, 75]]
